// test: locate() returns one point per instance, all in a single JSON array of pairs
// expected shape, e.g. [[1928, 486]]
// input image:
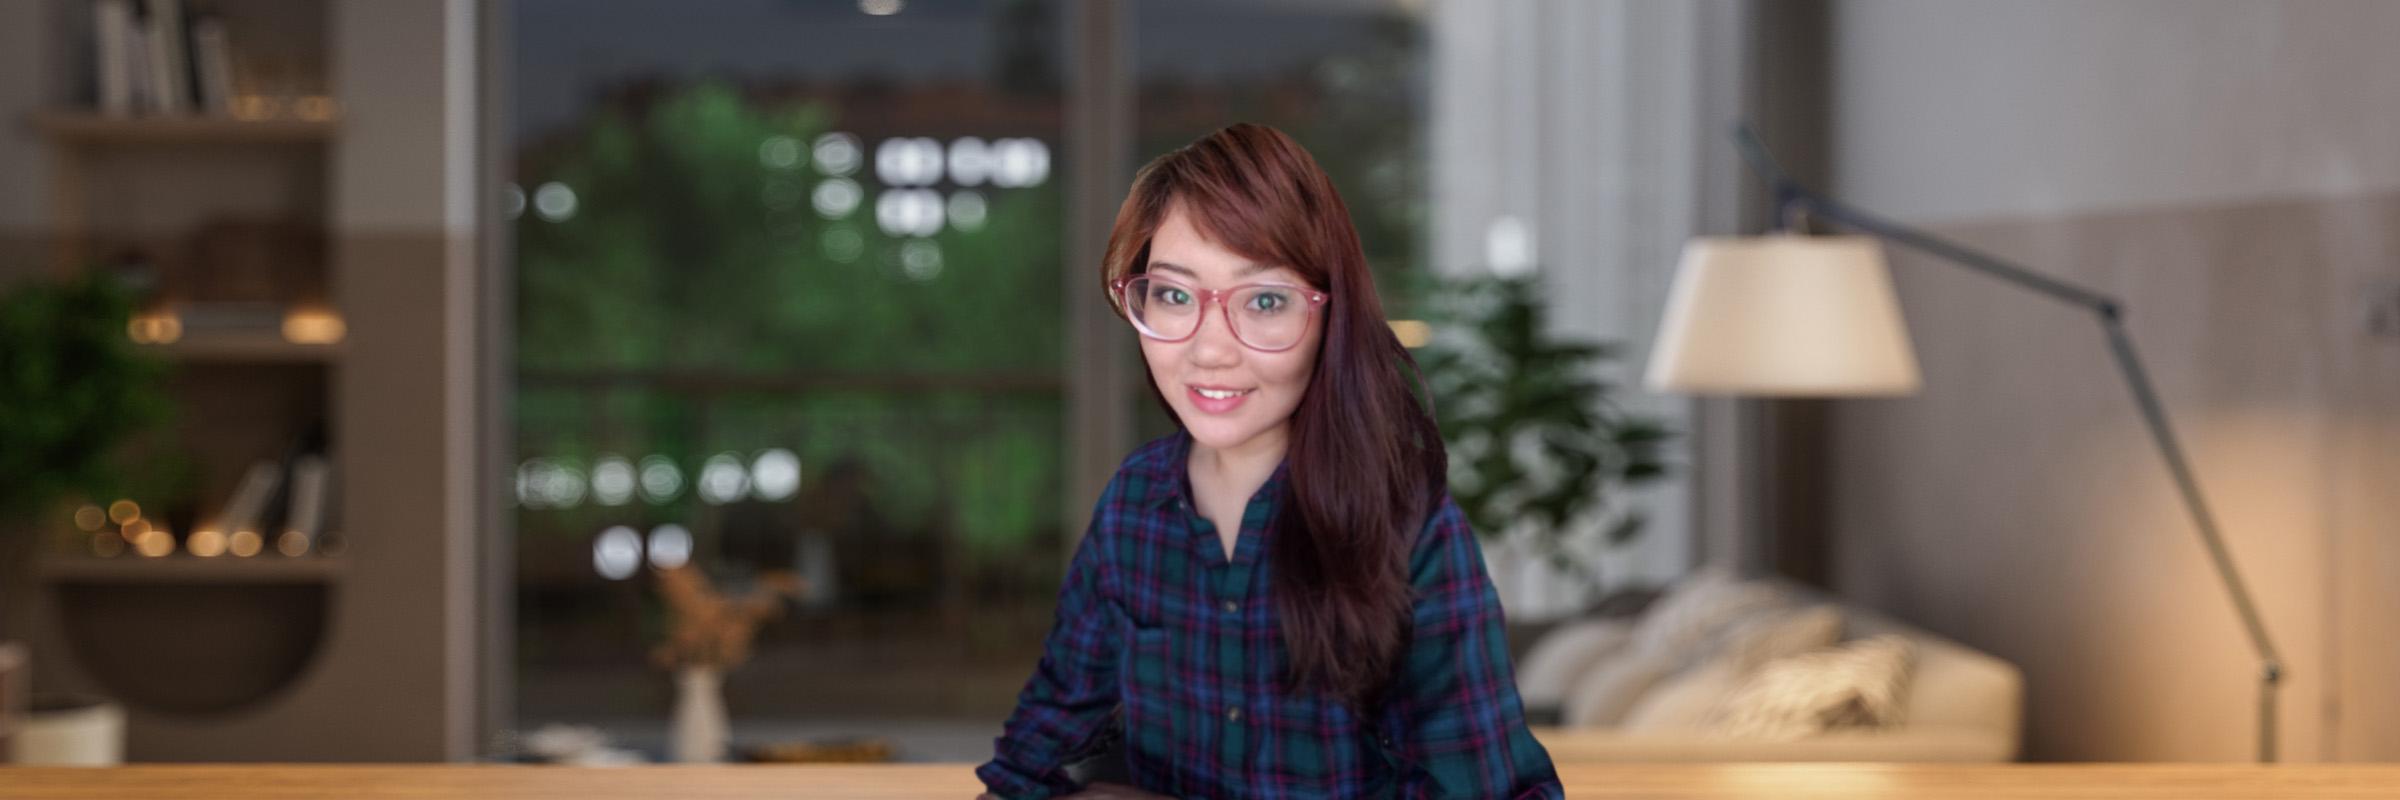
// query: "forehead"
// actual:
[[1180, 250]]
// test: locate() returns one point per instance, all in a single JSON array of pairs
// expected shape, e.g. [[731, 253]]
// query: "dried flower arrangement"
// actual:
[[710, 629]]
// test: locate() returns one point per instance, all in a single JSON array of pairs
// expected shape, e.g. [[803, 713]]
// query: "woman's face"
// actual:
[[1264, 387]]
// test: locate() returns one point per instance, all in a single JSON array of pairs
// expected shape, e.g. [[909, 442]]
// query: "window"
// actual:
[[788, 298]]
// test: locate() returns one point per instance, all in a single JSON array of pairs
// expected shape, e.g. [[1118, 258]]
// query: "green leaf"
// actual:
[[1625, 529]]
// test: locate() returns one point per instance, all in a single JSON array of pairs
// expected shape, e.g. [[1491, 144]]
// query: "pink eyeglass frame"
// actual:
[[1315, 298]]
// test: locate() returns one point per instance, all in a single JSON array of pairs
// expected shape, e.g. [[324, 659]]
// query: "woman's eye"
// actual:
[[1268, 302]]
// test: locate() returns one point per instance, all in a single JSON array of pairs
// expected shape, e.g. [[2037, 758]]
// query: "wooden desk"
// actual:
[[957, 782]]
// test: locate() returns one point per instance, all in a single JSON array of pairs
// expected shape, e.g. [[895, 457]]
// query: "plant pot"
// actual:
[[700, 724], [72, 730]]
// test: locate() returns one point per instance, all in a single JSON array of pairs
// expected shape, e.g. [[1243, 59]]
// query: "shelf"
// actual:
[[245, 348], [85, 127], [187, 569]]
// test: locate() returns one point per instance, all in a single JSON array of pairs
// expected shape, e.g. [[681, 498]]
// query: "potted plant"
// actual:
[[1538, 449], [73, 390]]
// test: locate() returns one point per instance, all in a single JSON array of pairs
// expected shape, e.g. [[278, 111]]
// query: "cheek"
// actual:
[[1289, 370]]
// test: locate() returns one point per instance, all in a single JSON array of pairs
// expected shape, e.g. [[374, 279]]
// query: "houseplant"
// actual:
[[1539, 451], [73, 390]]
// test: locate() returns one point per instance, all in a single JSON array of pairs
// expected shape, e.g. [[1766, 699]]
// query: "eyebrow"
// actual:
[[1247, 269]]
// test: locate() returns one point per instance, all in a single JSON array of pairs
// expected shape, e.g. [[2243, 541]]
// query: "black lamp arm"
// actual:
[[1791, 198]]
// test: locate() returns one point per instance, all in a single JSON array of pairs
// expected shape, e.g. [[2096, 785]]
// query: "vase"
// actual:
[[701, 728], [72, 730]]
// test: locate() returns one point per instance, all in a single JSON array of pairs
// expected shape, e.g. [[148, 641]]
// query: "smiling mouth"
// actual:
[[1221, 394]]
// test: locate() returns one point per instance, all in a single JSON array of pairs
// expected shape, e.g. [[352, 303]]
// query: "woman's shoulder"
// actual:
[[1446, 534], [1151, 469], [1160, 455], [1147, 476]]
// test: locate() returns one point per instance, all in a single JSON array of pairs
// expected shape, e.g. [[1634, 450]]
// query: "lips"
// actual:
[[1216, 399]]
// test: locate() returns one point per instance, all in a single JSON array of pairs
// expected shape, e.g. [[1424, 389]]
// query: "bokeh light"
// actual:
[[670, 546], [967, 210], [775, 474], [205, 544], [661, 480], [155, 543], [612, 481], [722, 479], [617, 553], [554, 201], [779, 152], [837, 154]]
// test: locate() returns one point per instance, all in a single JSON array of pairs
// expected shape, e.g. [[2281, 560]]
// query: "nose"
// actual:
[[1213, 346]]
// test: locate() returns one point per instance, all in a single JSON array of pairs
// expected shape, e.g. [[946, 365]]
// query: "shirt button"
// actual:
[[1233, 713], [1232, 607]]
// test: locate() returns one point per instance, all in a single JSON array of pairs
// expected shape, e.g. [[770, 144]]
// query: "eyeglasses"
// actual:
[[1267, 317]]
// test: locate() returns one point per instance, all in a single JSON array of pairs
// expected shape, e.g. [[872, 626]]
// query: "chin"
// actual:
[[1220, 434]]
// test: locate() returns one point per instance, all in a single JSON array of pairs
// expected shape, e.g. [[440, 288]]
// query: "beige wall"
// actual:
[[404, 246], [2226, 169]]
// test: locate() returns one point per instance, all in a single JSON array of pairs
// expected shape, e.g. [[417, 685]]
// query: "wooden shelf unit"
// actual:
[[92, 128], [188, 569], [246, 348]]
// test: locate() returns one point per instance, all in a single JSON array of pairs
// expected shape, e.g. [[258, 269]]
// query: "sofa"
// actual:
[[1720, 668]]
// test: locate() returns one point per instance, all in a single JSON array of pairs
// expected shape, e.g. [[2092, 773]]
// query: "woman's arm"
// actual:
[[1461, 727], [1071, 692]]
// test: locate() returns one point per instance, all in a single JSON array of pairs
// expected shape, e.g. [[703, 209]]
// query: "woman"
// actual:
[[1280, 599]]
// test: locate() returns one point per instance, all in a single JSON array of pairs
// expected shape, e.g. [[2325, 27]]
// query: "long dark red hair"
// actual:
[[1365, 460]]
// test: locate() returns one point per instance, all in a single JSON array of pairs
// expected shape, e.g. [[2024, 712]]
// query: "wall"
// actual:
[[405, 246], [2225, 168], [24, 199]]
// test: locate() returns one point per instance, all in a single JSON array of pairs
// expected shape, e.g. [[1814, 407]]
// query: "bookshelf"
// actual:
[[88, 128], [225, 222], [246, 348], [183, 569], [106, 163], [333, 213]]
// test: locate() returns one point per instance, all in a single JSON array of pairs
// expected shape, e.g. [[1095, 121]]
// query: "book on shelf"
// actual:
[[242, 512], [170, 71], [160, 57], [304, 518], [304, 498], [212, 65], [113, 37]]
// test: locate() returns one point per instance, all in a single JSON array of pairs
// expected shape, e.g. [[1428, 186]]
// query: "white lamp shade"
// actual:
[[1802, 316]]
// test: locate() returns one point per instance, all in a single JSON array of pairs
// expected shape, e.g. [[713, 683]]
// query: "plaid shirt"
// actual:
[[1157, 626]]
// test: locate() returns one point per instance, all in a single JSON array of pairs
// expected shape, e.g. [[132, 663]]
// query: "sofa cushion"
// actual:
[[1691, 699], [1753, 642], [1560, 659], [1859, 684], [1610, 688], [1683, 625]]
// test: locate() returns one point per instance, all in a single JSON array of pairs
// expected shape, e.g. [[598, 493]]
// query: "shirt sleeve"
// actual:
[[1074, 688], [1461, 727]]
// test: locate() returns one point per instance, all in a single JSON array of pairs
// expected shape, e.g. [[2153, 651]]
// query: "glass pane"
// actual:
[[788, 302]]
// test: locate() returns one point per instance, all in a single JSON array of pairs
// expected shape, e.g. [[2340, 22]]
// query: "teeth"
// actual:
[[1213, 394]]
